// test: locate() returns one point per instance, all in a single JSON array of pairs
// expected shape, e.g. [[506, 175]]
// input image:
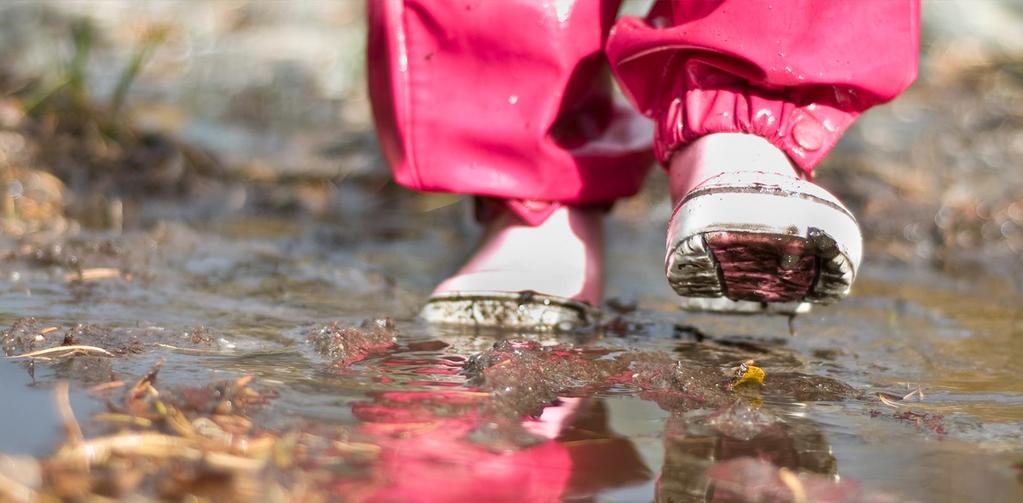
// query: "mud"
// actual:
[[347, 345], [652, 385]]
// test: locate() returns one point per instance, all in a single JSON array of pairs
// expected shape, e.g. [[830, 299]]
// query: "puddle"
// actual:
[[30, 417], [643, 409], [242, 326]]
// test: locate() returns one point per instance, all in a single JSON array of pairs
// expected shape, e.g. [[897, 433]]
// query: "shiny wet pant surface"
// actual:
[[514, 99]]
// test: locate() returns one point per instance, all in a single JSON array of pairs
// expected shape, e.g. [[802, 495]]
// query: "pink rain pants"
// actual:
[[513, 100]]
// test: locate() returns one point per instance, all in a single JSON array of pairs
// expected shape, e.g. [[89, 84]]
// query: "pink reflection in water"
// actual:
[[438, 446]]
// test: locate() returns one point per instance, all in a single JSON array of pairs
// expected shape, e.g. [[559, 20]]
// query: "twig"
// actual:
[[243, 381], [107, 386], [99, 450], [153, 445], [113, 417], [73, 349], [92, 274], [887, 401], [143, 384], [919, 391], [191, 351]]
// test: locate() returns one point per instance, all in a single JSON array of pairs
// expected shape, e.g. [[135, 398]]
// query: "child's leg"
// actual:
[[511, 100], [789, 78], [796, 73], [562, 256]]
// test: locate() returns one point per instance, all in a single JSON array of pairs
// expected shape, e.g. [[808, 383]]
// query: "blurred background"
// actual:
[[198, 184], [122, 100]]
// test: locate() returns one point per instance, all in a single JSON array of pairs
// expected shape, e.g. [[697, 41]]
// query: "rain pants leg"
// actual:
[[512, 99]]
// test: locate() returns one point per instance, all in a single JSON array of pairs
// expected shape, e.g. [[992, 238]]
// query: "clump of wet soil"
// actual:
[[86, 352], [344, 345], [83, 352], [30, 335], [525, 375]]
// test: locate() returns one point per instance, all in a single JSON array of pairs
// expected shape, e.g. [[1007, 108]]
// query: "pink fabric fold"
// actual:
[[513, 99]]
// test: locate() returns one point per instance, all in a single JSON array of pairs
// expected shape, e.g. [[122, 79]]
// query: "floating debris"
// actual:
[[934, 423], [748, 375], [95, 273], [191, 443], [63, 351], [889, 401]]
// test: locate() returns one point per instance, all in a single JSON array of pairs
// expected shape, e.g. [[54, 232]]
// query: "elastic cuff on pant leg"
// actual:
[[804, 122]]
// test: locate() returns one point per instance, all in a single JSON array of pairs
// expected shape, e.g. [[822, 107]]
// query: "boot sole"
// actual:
[[759, 244], [531, 311]]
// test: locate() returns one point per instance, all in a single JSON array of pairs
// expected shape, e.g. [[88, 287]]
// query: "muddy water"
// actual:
[[606, 416]]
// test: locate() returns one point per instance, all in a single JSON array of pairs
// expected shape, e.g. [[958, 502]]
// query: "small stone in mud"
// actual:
[[830, 354], [622, 305], [347, 345], [199, 336], [687, 332]]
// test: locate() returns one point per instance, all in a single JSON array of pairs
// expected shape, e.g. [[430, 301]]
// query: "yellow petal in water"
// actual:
[[749, 374]]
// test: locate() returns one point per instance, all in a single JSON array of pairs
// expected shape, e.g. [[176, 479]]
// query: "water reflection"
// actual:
[[29, 420], [501, 436], [438, 447], [606, 416]]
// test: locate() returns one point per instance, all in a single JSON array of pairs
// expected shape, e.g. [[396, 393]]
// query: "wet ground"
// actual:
[[230, 288], [910, 388]]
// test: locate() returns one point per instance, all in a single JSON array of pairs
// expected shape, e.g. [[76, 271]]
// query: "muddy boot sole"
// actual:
[[529, 311], [761, 243]]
